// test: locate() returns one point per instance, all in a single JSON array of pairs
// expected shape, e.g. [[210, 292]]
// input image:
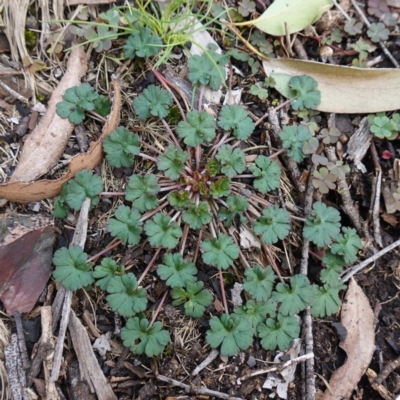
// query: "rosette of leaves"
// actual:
[[172, 162], [323, 225], [278, 332], [220, 252], [197, 216], [255, 313], [235, 118], [72, 270], [125, 297], [232, 160], [347, 245], [237, 205], [77, 99], [161, 231], [294, 138], [231, 333], [121, 146], [126, 225], [305, 91], [176, 271], [273, 225], [267, 174], [154, 101], [142, 192], [194, 298], [144, 339], [198, 128], [105, 271], [259, 282], [295, 297], [142, 44]]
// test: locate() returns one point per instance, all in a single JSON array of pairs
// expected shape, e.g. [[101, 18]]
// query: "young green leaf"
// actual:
[[236, 206], [306, 95], [267, 173], [326, 300], [334, 264], [233, 333], [293, 138], [347, 245], [144, 339], [105, 271], [235, 118], [125, 297], [212, 166], [220, 252], [324, 180], [259, 91], [100, 37], [198, 216], [154, 101], [333, 260], [378, 32], [202, 71], [273, 225], [220, 188], [258, 282], [278, 332], [161, 231], [176, 271], [102, 106], [60, 207], [127, 225], [293, 298], [198, 129], [194, 298], [72, 270], [120, 146], [232, 160], [142, 44], [382, 127], [85, 184], [255, 313], [323, 226], [142, 192], [352, 27], [330, 136], [172, 162], [179, 200]]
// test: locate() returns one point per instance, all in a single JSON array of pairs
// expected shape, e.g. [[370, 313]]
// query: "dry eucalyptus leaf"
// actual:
[[358, 319], [343, 89]]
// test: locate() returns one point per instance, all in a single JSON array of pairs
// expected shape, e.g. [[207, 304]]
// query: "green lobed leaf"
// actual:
[[161, 231], [232, 160], [323, 226], [267, 173], [176, 271], [326, 300], [194, 298], [220, 252], [273, 225], [105, 271], [141, 339], [220, 188], [235, 118], [72, 270], [306, 94], [202, 71], [293, 298], [179, 200], [278, 332], [197, 217], [126, 225], [236, 206], [85, 184], [102, 106], [60, 207], [347, 245], [255, 313], [154, 101], [232, 333], [125, 297], [121, 146], [294, 138], [142, 44], [198, 129], [259, 282], [142, 192], [172, 162]]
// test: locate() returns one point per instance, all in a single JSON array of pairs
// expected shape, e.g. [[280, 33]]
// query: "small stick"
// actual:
[[386, 371], [148, 157], [221, 282], [21, 340], [151, 213], [210, 358], [279, 367], [10, 72], [376, 195], [105, 194], [13, 93], [309, 342], [196, 253], [100, 253], [158, 309], [356, 268], [171, 134], [149, 265], [184, 238]]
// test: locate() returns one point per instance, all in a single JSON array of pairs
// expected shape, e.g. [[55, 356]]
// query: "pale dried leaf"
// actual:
[[358, 319]]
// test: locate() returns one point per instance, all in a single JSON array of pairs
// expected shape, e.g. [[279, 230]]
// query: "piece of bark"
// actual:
[[43, 189], [383, 392], [26, 252], [89, 366], [46, 143]]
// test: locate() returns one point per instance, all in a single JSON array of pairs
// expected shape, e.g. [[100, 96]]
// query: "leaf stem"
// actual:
[[151, 147], [158, 309], [104, 251], [273, 155], [151, 213], [276, 109], [104, 194], [200, 105], [171, 134], [197, 157], [149, 265], [100, 117], [178, 185], [220, 143], [184, 238], [148, 157], [221, 283]]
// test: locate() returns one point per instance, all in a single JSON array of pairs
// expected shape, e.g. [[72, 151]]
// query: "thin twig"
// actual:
[[149, 265], [210, 358], [100, 253], [13, 93], [158, 309], [221, 282], [376, 195], [21, 340]]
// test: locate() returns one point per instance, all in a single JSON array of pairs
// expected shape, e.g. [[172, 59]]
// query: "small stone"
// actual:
[[251, 362]]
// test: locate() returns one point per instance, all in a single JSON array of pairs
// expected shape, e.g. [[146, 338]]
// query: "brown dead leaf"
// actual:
[[390, 219], [47, 142], [343, 89], [358, 319], [35, 191]]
